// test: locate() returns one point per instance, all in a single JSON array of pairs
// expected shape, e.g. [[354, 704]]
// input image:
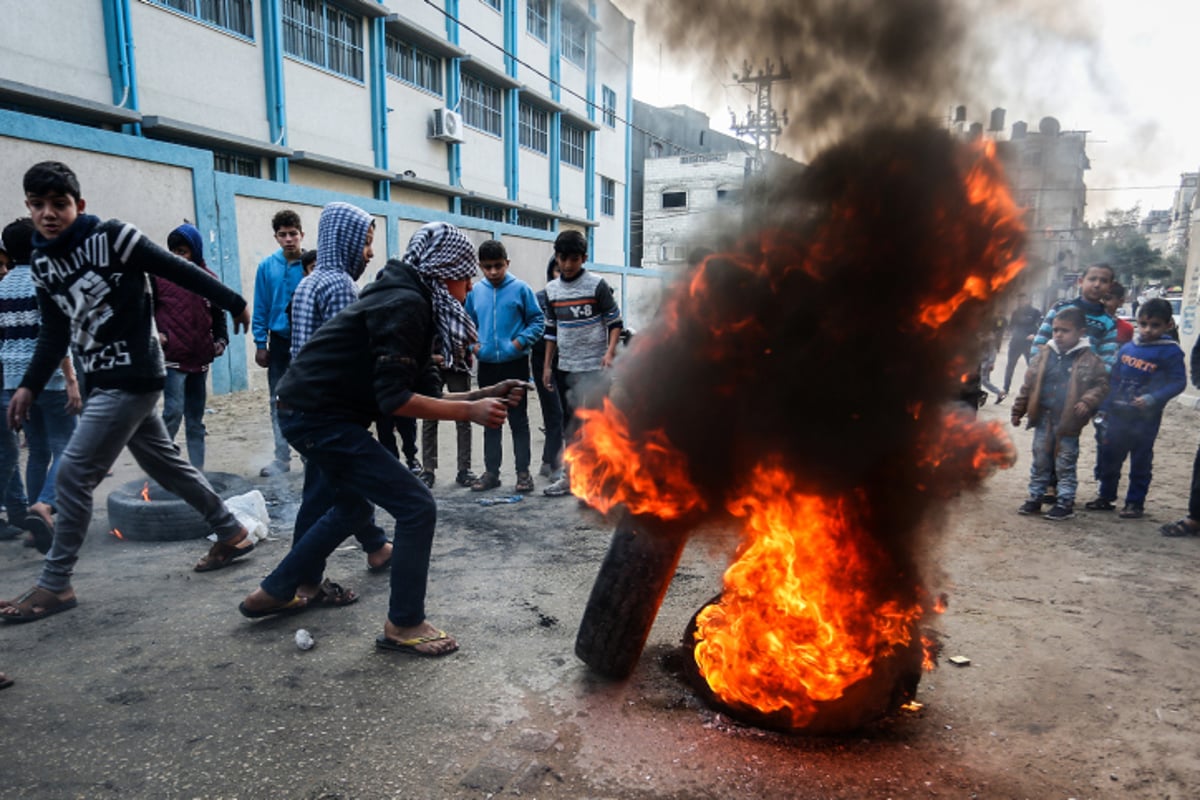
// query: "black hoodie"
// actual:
[[371, 356]]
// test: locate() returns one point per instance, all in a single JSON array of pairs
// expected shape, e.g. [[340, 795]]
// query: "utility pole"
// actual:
[[762, 124]]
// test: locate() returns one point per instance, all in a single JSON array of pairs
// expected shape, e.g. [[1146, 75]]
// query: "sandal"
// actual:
[[42, 530], [297, 603], [488, 480], [222, 554], [1183, 527], [524, 482], [35, 604], [332, 594]]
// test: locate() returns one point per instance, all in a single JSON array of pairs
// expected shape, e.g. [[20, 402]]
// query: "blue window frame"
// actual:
[[321, 33], [414, 66], [533, 128], [608, 104], [231, 15], [574, 41], [608, 196], [482, 106], [572, 145], [537, 19]]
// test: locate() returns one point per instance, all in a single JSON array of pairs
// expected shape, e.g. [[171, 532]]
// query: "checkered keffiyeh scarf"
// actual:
[[441, 252]]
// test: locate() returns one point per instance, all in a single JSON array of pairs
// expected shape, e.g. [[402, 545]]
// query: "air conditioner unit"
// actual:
[[447, 125]]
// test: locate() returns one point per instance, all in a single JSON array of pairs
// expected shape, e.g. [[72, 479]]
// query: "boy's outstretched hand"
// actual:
[[511, 390], [488, 412]]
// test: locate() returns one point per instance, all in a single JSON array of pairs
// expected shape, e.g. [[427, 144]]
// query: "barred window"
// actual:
[[608, 196], [490, 213], [320, 33], [537, 18], [574, 41], [237, 164], [571, 150], [414, 66], [533, 128], [493, 3], [608, 103], [231, 15], [527, 219], [482, 106]]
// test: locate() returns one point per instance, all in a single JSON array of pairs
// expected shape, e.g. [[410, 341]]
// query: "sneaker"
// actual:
[[1000, 397], [1131, 511], [560, 488], [9, 531], [1060, 511], [1030, 507], [413, 465], [276, 467], [465, 478], [427, 478], [1100, 504], [488, 480]]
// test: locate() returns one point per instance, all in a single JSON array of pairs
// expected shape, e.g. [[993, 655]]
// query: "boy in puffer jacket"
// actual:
[[1063, 388], [1149, 371], [506, 312], [193, 333]]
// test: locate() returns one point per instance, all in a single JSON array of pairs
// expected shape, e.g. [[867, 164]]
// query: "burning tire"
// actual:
[[628, 591], [164, 517]]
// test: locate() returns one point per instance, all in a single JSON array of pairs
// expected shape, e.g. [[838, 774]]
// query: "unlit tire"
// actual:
[[638, 568], [165, 518]]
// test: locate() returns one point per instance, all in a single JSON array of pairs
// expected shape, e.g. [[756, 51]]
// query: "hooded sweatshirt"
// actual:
[[93, 284], [192, 325], [1153, 371], [503, 314], [372, 356], [341, 237]]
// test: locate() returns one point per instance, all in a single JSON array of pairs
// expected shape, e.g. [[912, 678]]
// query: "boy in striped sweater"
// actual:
[[583, 326]]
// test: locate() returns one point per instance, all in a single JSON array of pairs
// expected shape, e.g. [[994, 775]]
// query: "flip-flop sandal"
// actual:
[[43, 532], [1179, 528], [382, 642], [5, 681], [221, 555], [333, 594], [297, 603], [38, 597]]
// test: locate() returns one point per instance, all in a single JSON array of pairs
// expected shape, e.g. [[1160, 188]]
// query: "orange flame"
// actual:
[[117, 534], [796, 623], [146, 491], [608, 468], [989, 197]]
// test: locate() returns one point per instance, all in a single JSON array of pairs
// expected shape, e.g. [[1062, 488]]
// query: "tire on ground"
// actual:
[[165, 518], [628, 591]]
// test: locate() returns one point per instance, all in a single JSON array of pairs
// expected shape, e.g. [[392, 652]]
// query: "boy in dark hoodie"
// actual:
[[1063, 388], [509, 320], [93, 290], [192, 332], [1149, 372]]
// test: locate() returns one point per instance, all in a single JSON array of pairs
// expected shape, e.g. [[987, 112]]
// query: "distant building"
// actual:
[[1179, 234], [662, 137], [1156, 227], [1046, 170]]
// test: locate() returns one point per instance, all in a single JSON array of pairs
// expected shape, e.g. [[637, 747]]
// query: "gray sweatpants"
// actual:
[[111, 420]]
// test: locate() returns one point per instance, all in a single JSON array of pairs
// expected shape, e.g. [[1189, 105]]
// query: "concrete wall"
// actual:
[[682, 229], [319, 106], [409, 127], [77, 64]]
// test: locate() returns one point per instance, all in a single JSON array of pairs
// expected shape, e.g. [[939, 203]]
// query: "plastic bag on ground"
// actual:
[[251, 511]]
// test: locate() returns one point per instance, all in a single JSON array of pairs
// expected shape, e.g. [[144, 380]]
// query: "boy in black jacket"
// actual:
[[93, 291]]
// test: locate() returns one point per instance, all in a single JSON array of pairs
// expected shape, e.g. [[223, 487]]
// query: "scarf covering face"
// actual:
[[440, 252]]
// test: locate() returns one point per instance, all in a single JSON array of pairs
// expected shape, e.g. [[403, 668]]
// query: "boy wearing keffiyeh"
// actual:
[[375, 356]]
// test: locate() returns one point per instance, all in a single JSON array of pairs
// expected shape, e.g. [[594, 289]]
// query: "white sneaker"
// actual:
[[560, 488]]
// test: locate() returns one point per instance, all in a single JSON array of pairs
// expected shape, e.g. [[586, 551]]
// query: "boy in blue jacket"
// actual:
[[506, 312], [1148, 372]]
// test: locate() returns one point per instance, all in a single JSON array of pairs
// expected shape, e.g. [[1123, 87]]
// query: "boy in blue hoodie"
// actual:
[[506, 312], [1149, 372]]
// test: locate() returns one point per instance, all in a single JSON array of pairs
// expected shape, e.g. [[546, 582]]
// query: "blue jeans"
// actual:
[[1132, 438], [48, 430], [318, 497], [279, 359], [518, 417], [359, 473], [1053, 454], [184, 396]]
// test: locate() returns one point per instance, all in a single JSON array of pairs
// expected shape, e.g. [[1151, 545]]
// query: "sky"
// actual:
[[1124, 71]]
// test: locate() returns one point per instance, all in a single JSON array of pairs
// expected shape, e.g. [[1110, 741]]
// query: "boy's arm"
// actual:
[[220, 328], [611, 315], [149, 257], [262, 306], [1096, 387], [534, 319], [1171, 381]]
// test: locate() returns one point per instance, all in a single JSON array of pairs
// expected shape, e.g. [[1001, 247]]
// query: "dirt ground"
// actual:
[[1081, 635]]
